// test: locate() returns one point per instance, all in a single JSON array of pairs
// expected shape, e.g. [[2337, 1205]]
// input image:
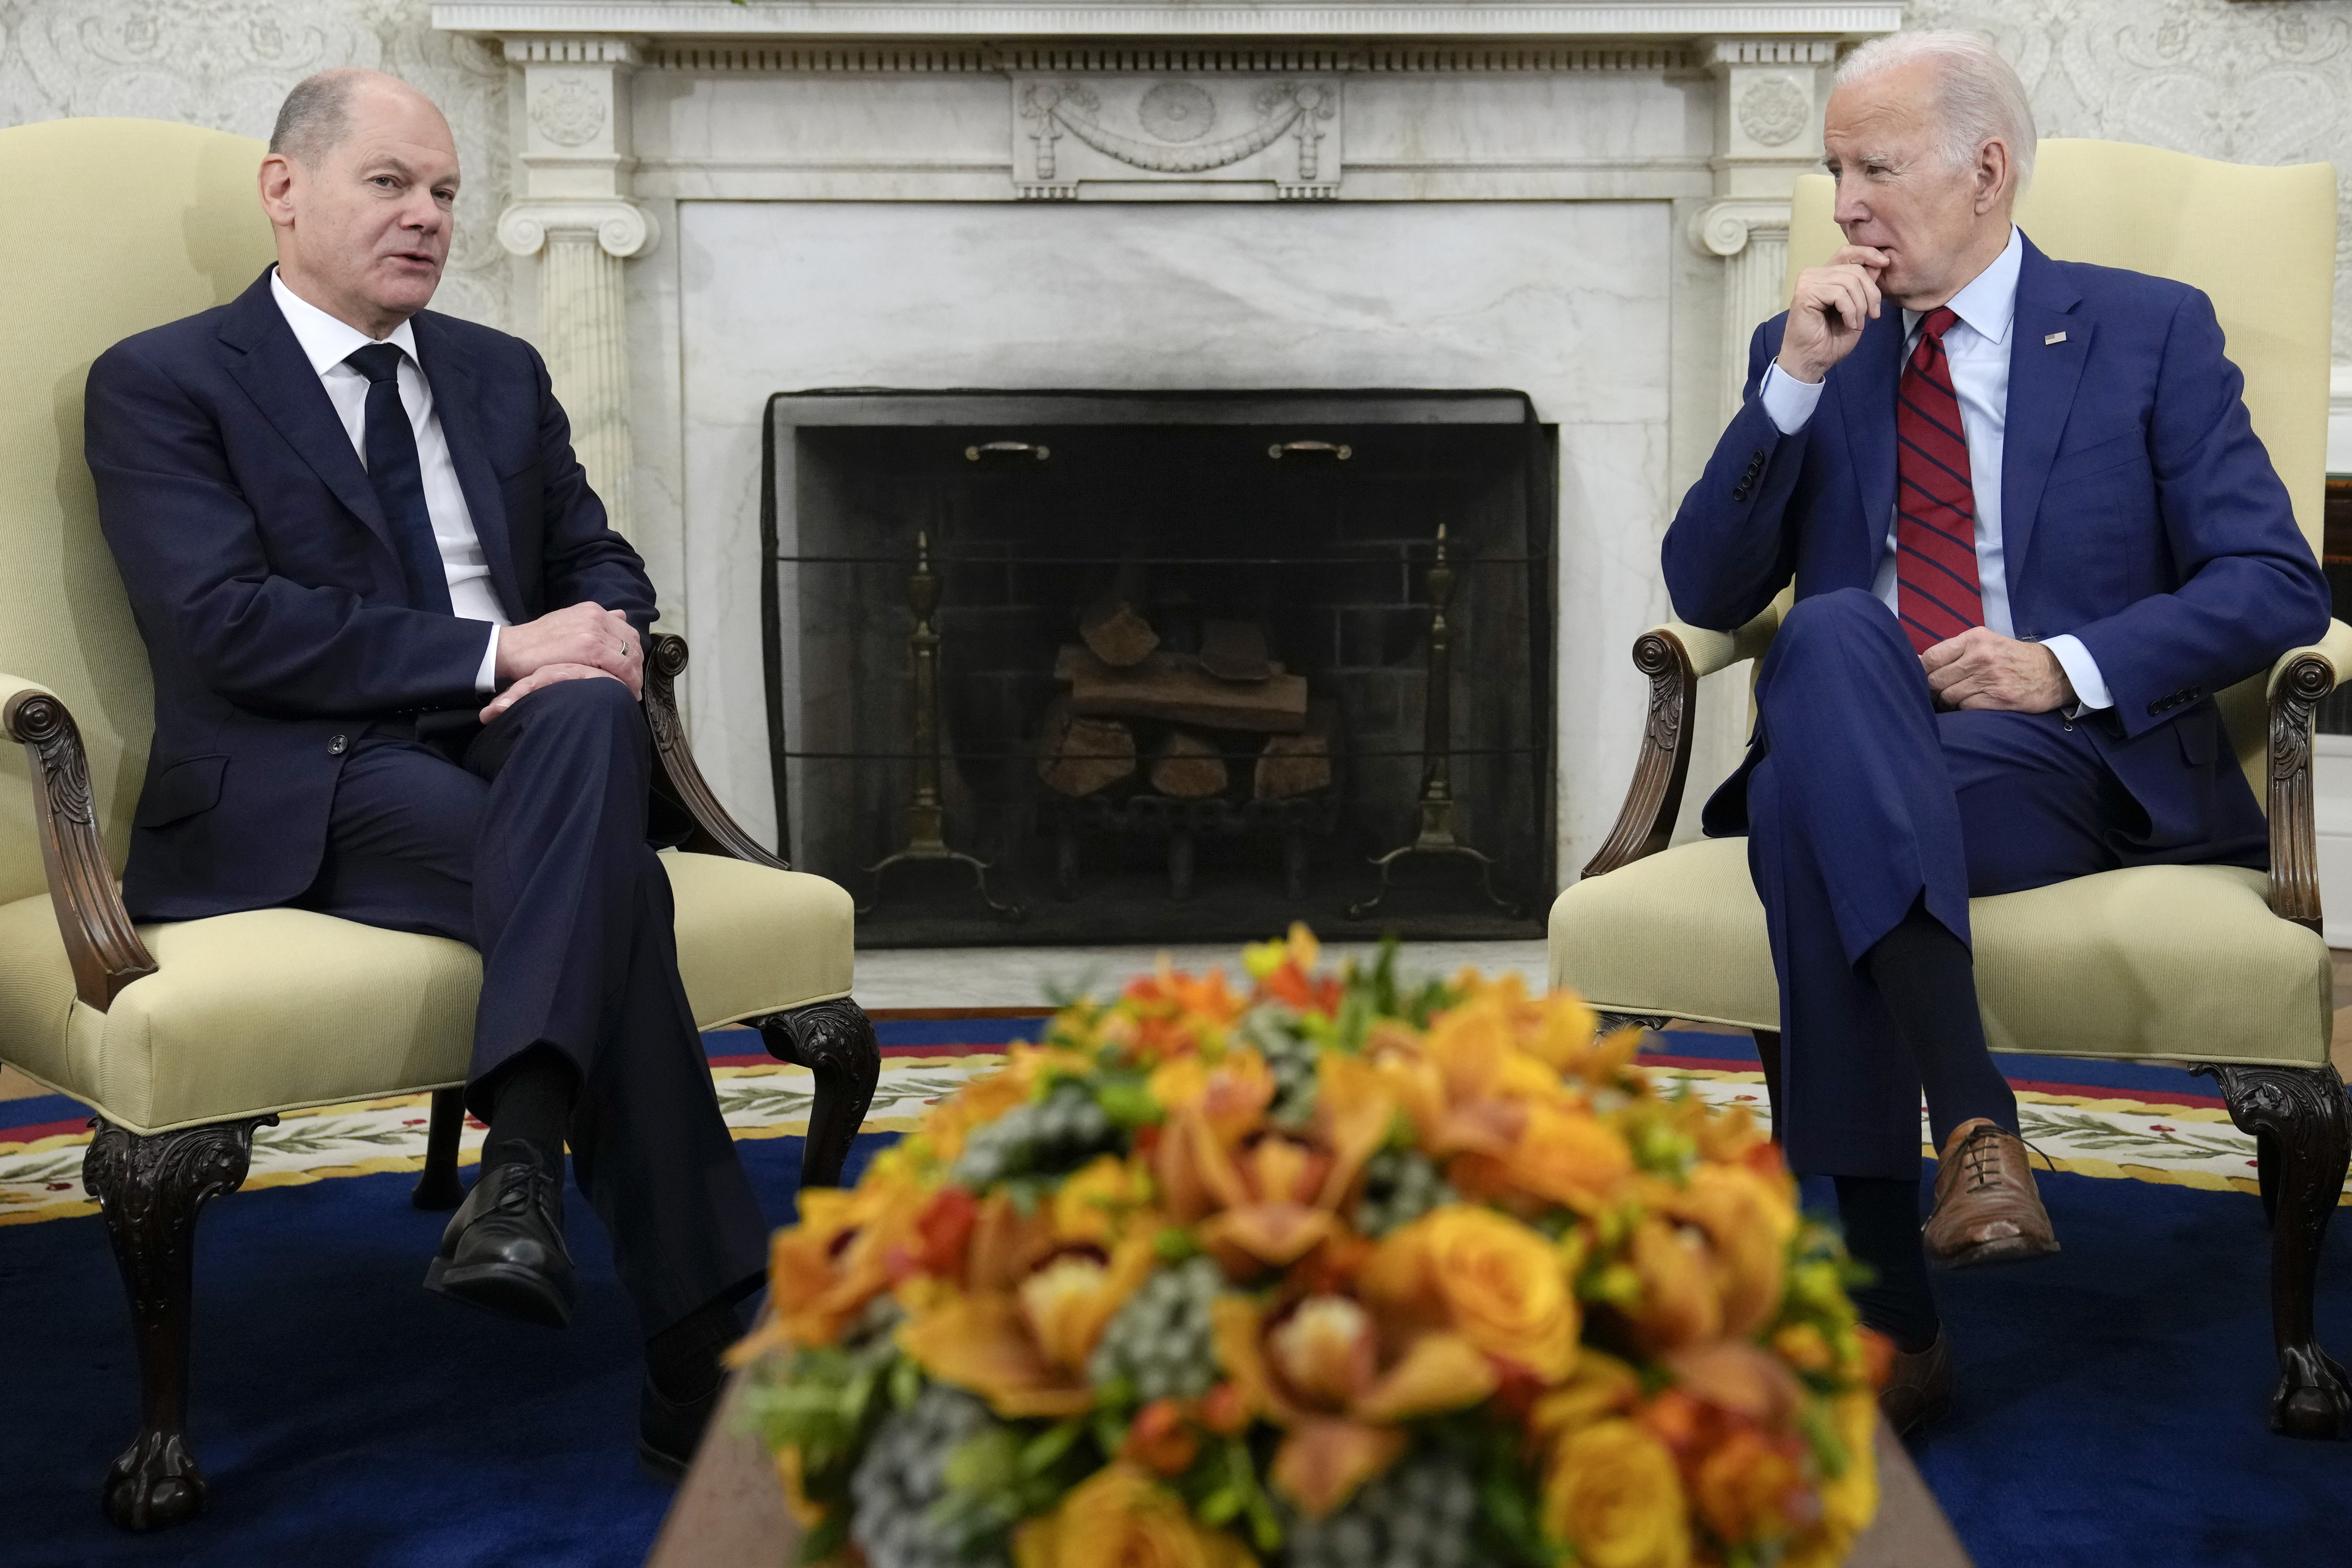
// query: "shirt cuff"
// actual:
[[485, 679], [2083, 671], [1789, 401]]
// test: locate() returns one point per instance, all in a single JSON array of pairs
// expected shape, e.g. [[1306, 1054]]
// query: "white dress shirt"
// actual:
[[1977, 346], [327, 342]]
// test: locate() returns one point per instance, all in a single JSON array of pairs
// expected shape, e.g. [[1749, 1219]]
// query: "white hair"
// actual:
[[1978, 98]]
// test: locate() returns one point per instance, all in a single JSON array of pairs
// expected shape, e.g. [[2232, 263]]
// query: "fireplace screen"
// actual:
[[1116, 667]]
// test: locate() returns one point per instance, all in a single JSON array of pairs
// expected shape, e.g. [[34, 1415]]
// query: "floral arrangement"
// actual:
[[1333, 1272]]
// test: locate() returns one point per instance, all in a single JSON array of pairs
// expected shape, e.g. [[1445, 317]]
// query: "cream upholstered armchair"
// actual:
[[2215, 967], [187, 1037]]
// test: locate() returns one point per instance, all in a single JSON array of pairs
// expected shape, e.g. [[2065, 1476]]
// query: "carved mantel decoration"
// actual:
[[1129, 129]]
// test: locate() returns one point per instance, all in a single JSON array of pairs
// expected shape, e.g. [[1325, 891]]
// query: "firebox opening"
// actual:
[[1163, 662]]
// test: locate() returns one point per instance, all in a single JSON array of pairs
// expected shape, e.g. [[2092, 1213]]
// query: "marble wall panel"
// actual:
[[1566, 302]]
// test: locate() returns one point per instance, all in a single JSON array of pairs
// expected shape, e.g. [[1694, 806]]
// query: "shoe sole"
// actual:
[[666, 1468], [522, 1294], [2008, 1249]]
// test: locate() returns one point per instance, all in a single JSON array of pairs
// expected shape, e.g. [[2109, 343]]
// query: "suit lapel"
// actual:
[[1866, 390], [456, 405], [275, 373], [2042, 376]]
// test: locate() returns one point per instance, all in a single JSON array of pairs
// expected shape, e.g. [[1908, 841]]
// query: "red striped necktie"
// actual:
[[1936, 591]]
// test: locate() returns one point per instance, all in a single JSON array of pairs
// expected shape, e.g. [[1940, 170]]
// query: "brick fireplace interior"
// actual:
[[1182, 659]]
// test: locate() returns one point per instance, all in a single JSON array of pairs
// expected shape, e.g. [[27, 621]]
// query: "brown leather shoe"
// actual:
[[1919, 1387], [1988, 1209]]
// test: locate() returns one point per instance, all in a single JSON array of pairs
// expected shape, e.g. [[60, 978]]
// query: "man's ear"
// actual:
[[275, 182], [1993, 174]]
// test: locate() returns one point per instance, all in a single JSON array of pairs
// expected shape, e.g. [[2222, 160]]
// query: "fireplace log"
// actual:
[[1189, 767], [1114, 624], [1174, 687], [1298, 763], [1234, 651], [1078, 756]]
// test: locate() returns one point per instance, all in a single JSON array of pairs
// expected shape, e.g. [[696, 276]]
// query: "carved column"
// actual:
[[1768, 131], [576, 218]]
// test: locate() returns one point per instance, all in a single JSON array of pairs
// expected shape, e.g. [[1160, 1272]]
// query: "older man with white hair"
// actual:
[[2032, 532]]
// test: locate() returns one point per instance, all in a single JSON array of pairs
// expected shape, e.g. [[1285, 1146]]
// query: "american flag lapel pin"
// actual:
[[2054, 338]]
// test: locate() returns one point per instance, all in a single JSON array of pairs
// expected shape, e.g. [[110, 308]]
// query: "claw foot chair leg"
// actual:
[[151, 1189], [437, 1188], [2303, 1130], [835, 1041]]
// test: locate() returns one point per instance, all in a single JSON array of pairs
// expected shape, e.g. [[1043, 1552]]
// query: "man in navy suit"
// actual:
[[2033, 532], [397, 657]]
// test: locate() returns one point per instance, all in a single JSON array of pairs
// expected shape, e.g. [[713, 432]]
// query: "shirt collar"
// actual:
[[1988, 303], [327, 341]]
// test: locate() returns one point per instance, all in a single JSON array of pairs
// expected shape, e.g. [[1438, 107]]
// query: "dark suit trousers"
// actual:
[[528, 843], [1866, 800]]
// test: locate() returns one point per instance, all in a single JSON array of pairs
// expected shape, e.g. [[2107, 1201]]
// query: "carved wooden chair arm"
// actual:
[[1673, 656], [715, 833], [100, 941], [2300, 678]]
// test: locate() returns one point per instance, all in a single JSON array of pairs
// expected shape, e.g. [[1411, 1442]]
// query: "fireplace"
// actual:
[[1181, 677]]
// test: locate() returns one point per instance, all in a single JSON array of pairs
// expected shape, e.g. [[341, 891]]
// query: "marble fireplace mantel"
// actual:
[[1620, 169]]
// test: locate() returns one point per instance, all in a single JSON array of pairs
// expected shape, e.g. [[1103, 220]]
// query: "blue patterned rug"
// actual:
[[2110, 1409]]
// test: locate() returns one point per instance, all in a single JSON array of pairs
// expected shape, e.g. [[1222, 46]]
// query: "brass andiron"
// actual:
[[924, 818], [1436, 835]]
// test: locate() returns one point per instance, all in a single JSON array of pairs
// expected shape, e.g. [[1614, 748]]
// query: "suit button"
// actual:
[[338, 745]]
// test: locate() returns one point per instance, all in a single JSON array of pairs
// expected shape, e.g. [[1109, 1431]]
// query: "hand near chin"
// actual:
[[1982, 669], [545, 675]]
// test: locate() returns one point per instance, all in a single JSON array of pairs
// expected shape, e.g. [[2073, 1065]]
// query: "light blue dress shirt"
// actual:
[[1976, 347]]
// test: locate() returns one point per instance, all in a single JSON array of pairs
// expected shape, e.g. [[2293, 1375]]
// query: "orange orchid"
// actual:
[[1284, 972], [1024, 1349], [1315, 1369], [1262, 1196], [824, 1270]]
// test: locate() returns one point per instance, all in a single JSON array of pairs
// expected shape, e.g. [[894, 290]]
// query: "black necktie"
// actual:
[[399, 479]]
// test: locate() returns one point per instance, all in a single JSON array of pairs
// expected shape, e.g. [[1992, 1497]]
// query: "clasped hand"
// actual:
[[577, 643], [1982, 669]]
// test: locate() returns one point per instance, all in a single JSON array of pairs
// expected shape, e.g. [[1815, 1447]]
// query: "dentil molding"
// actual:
[[1168, 19]]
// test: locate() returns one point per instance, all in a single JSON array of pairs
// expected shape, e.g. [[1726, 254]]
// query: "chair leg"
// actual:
[[2301, 1124], [437, 1188], [835, 1041], [1767, 1051], [151, 1189]]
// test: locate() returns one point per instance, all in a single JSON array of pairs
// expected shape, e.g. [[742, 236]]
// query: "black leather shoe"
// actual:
[[504, 1249], [1918, 1386], [669, 1432]]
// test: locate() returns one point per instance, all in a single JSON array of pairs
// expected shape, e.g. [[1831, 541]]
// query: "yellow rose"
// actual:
[[1499, 1283], [1570, 1157], [1120, 1518], [1612, 1494]]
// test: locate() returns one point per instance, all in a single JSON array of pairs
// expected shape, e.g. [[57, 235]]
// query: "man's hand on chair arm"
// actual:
[[1982, 669], [577, 643]]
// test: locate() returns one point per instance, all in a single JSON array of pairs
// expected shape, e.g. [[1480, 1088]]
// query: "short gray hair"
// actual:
[[1979, 96], [317, 115]]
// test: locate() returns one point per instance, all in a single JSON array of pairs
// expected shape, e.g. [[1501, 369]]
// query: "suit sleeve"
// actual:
[[191, 559], [2249, 587], [1733, 544], [584, 561]]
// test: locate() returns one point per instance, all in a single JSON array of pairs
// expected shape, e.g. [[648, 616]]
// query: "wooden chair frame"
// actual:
[[2298, 1116], [152, 1187]]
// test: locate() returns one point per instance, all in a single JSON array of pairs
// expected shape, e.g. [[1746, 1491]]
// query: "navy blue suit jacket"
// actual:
[[264, 579], [2139, 512]]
